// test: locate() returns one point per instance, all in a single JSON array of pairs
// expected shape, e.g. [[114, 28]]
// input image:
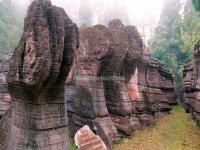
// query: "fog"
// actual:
[[142, 13]]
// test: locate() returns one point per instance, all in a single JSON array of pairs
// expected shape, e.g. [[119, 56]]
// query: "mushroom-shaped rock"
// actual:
[[86, 99], [37, 119]]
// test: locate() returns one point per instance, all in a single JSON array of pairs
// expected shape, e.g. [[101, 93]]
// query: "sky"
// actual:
[[144, 14], [137, 9]]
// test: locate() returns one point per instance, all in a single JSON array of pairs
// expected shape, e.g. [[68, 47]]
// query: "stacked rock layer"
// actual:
[[115, 87], [37, 118], [5, 98], [191, 75]]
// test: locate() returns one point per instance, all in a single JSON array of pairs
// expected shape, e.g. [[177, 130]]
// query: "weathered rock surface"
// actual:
[[158, 98], [191, 75], [37, 118], [167, 86], [189, 85], [125, 50], [85, 139], [5, 98], [114, 84], [86, 100]]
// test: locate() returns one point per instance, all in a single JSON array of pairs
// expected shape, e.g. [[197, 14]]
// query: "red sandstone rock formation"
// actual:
[[37, 118], [86, 99], [5, 98], [189, 85], [192, 84], [167, 87], [114, 83], [117, 84]]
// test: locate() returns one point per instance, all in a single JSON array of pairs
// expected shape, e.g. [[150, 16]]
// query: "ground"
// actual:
[[176, 131]]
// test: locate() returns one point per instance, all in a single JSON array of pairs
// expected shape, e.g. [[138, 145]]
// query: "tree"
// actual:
[[11, 24], [166, 44], [175, 37], [196, 4], [190, 30]]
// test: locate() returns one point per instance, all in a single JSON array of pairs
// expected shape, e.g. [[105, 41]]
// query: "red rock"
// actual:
[[191, 75], [85, 139], [37, 118]]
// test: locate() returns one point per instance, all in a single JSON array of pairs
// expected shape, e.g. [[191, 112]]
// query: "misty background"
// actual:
[[144, 14], [170, 28]]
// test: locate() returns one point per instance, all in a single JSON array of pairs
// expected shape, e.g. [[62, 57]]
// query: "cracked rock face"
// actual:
[[37, 118]]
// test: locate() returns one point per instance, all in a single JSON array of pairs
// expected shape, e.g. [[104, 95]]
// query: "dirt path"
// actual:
[[176, 131]]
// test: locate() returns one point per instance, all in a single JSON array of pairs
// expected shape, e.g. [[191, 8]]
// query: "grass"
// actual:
[[73, 146], [176, 131]]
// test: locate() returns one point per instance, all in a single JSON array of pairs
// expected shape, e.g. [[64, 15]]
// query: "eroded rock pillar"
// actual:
[[37, 118]]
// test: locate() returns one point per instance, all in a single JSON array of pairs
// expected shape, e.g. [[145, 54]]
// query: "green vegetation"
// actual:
[[73, 146], [11, 24], [176, 131], [196, 4], [175, 37]]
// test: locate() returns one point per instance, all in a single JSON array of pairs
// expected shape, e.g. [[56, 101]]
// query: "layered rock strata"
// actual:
[[157, 97], [192, 84], [167, 86], [114, 84], [86, 100], [189, 85], [37, 118], [5, 98]]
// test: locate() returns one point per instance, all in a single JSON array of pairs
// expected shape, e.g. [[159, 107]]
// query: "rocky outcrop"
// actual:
[[5, 98], [37, 118], [159, 85], [153, 78], [113, 86], [167, 86], [86, 100], [189, 85], [120, 67], [191, 75], [114, 83]]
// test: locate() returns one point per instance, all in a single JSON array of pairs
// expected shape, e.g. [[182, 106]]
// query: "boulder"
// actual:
[[85, 139]]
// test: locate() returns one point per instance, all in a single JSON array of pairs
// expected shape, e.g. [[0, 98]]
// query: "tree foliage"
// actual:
[[166, 44], [189, 28], [11, 24], [175, 37], [196, 4]]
